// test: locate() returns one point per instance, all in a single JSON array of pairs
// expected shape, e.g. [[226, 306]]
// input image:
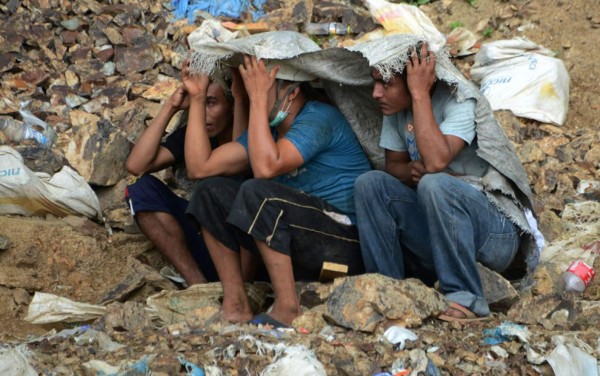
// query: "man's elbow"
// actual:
[[199, 173], [132, 168], [435, 166], [264, 173], [195, 174]]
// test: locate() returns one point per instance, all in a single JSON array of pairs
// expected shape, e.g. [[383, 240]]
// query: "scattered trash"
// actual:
[[578, 276], [505, 332], [327, 28], [406, 19], [32, 128], [48, 308], [101, 338], [197, 303], [170, 273], [499, 351], [297, 360], [421, 364], [251, 27], [29, 193], [523, 77], [570, 360], [398, 336], [462, 42], [100, 368], [327, 333], [190, 368], [14, 361]]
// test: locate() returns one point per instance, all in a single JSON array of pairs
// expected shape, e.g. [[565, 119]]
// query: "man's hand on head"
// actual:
[[420, 69], [257, 80], [196, 85]]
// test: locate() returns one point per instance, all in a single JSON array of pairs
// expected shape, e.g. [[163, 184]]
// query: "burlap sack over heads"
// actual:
[[345, 73]]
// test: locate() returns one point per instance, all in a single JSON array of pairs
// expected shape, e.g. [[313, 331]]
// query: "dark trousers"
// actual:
[[149, 194], [287, 220]]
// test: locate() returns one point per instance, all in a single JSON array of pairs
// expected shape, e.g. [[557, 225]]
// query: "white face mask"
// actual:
[[281, 115]]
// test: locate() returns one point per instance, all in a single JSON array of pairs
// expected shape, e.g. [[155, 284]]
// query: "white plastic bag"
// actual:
[[406, 19], [14, 361], [523, 77], [25, 192], [48, 308]]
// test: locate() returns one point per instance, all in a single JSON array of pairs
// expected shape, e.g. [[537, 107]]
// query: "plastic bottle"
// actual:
[[32, 128], [327, 28], [17, 131], [577, 277]]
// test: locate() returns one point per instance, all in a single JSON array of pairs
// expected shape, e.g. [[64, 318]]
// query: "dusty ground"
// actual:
[[80, 260]]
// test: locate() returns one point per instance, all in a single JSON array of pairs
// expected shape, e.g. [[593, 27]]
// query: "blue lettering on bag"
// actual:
[[10, 172]]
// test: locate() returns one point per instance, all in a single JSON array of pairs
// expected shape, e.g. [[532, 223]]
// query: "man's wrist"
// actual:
[[200, 97]]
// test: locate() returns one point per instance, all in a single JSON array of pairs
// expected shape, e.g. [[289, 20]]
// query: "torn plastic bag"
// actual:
[[28, 193], [406, 19], [48, 308], [523, 77], [14, 361]]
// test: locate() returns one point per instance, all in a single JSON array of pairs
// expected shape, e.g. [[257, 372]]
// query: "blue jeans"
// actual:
[[438, 231]]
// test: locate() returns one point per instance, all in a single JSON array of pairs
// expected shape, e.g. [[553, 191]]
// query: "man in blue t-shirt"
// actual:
[[298, 212], [426, 216]]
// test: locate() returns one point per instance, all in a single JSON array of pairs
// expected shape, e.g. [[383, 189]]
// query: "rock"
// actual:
[[311, 320], [593, 156], [135, 59], [81, 224], [95, 148], [532, 309], [21, 297], [129, 316], [547, 279], [530, 152], [496, 289], [362, 302], [40, 159], [550, 144], [140, 274], [5, 243], [164, 87], [28, 259], [313, 294]]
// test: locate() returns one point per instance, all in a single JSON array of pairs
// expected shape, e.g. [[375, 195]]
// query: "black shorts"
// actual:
[[287, 220]]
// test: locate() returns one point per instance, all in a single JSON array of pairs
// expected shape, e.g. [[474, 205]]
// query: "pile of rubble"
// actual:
[[96, 73]]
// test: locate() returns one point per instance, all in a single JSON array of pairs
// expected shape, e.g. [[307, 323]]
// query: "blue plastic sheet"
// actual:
[[227, 8], [190, 368], [507, 331]]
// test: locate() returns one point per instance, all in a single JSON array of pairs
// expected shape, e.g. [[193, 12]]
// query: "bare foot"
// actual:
[[237, 310], [285, 315]]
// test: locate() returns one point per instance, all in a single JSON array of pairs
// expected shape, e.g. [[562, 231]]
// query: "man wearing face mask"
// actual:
[[298, 211]]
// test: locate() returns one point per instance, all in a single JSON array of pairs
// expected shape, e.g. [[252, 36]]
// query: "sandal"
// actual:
[[458, 313]]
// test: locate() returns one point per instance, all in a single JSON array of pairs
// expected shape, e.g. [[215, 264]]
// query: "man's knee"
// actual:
[[435, 186], [145, 186], [260, 188], [369, 182], [211, 184]]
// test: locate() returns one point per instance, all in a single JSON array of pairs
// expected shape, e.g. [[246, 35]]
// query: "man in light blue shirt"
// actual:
[[426, 215]]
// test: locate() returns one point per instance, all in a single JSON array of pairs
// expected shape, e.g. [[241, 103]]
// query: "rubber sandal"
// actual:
[[264, 319], [467, 316]]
